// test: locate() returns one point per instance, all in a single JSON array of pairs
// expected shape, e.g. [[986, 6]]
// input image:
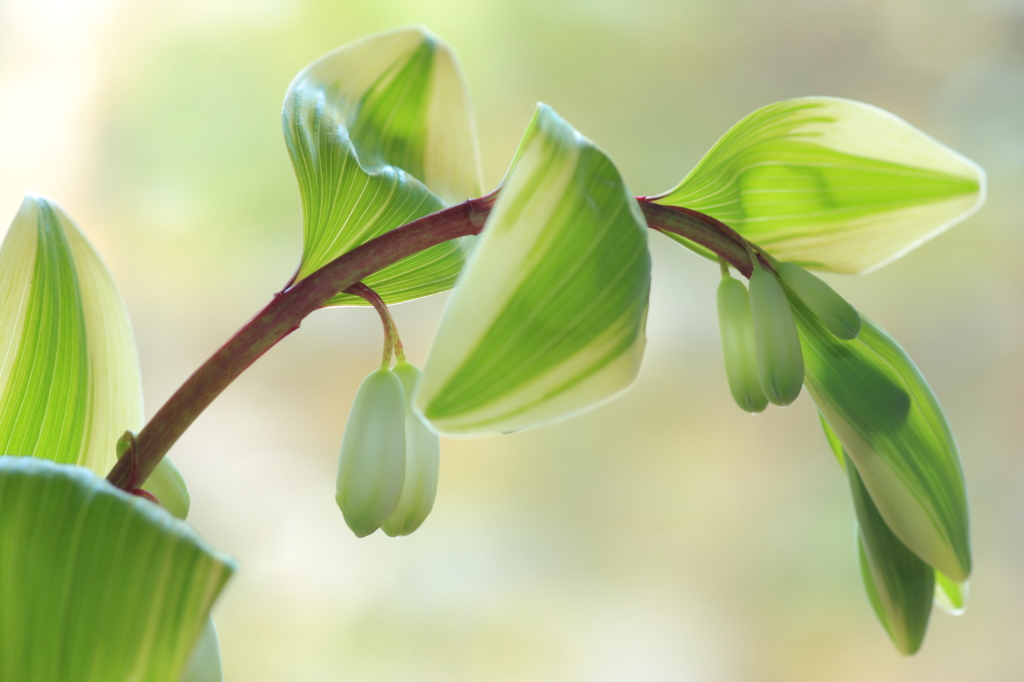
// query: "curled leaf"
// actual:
[[548, 317], [381, 132]]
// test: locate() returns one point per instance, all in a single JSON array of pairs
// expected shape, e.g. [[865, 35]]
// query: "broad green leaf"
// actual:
[[893, 429], [548, 317], [69, 370], [832, 184], [96, 584], [950, 596], [381, 132], [899, 585]]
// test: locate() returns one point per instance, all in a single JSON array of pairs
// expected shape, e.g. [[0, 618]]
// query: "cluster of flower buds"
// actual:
[[760, 343], [388, 468]]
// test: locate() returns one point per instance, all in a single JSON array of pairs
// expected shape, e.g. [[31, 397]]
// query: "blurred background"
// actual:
[[665, 536]]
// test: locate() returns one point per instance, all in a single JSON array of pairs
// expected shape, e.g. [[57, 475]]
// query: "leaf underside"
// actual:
[[381, 133]]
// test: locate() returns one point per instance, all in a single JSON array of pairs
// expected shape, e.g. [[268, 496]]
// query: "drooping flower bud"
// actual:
[[779, 358], [838, 316], [736, 326], [371, 468], [422, 462]]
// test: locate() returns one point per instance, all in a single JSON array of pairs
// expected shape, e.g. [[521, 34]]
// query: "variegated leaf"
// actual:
[[68, 364], [892, 427], [96, 584], [831, 184], [381, 132], [548, 318]]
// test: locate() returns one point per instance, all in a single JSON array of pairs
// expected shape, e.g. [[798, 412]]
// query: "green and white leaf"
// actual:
[[381, 132], [548, 317], [69, 366], [69, 369], [892, 427], [832, 184], [899, 585], [96, 584]]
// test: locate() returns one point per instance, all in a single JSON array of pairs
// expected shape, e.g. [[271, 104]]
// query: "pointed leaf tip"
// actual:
[[832, 184], [899, 585], [548, 318], [950, 596]]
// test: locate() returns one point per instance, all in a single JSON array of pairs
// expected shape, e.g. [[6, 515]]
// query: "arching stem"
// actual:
[[288, 308]]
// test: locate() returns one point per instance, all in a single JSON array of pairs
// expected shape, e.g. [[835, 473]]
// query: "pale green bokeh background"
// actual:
[[665, 536]]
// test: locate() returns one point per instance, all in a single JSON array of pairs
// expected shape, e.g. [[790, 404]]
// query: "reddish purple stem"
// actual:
[[289, 307]]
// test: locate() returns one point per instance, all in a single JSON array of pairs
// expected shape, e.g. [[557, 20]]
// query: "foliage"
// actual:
[[546, 321]]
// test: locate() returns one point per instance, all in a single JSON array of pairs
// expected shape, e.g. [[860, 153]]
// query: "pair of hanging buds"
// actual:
[[760, 343], [388, 468]]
